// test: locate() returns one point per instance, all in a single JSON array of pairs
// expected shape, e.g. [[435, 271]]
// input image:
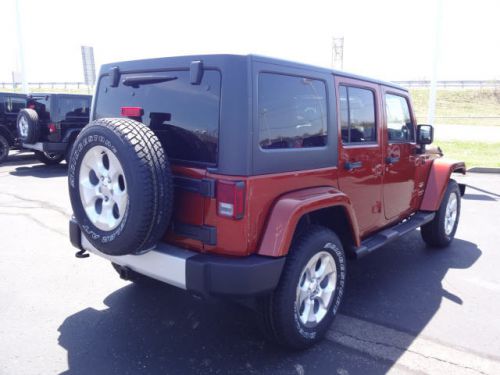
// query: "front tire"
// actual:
[[49, 158], [302, 308], [440, 232]]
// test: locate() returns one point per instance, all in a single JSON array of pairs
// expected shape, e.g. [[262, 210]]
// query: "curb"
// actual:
[[484, 170]]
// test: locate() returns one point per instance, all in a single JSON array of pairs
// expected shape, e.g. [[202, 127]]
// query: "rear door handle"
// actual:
[[353, 165], [391, 160]]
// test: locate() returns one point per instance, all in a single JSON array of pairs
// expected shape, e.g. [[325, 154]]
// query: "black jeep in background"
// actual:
[[50, 124], [10, 105]]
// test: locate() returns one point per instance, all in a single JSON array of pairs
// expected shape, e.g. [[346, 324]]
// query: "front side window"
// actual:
[[292, 112], [13, 104], [357, 115], [399, 125]]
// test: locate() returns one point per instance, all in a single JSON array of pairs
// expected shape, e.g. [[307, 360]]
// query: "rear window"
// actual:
[[41, 104], [74, 107], [184, 116], [14, 104]]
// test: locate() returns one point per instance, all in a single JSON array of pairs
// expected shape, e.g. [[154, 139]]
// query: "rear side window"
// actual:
[[74, 107], [14, 104], [292, 112], [399, 125], [184, 116], [357, 115]]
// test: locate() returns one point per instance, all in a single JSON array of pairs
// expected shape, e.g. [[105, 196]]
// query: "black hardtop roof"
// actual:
[[38, 94], [221, 59]]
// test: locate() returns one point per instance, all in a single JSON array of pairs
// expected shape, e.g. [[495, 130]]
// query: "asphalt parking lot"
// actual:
[[408, 308]]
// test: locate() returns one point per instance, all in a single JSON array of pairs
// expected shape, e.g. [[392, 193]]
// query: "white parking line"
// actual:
[[414, 353]]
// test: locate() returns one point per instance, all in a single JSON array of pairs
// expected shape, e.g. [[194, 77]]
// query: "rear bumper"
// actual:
[[203, 274], [56, 147]]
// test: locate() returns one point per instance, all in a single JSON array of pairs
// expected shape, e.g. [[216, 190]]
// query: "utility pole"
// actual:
[[20, 49], [338, 53], [435, 62]]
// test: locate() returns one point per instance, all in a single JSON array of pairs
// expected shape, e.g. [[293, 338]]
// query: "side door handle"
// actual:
[[391, 160], [353, 165]]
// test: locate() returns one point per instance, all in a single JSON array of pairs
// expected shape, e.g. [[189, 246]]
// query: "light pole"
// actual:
[[20, 49], [435, 62]]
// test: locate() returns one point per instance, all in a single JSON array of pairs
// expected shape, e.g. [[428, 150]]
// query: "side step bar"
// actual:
[[390, 234]]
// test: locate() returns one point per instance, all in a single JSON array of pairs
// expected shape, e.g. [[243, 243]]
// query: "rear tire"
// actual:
[[28, 130], [302, 308], [4, 149], [440, 232], [120, 186], [49, 158]]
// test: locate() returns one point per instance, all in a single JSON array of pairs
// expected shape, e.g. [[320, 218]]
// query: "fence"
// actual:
[[423, 83], [452, 84], [78, 86]]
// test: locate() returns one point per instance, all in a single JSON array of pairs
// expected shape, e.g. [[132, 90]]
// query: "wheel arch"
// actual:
[[437, 181], [292, 213], [71, 135]]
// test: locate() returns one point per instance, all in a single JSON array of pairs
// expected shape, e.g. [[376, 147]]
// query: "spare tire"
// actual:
[[120, 186], [28, 130]]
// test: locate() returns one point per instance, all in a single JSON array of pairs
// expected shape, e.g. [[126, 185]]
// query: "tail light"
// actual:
[[132, 112], [52, 128], [231, 199]]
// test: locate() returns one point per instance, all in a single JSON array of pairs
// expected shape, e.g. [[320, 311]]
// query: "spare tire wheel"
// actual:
[[120, 186], [28, 130]]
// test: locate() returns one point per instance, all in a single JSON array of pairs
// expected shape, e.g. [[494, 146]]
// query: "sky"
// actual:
[[386, 39]]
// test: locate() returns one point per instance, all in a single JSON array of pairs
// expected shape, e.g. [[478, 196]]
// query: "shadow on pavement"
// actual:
[[483, 191], [41, 171], [400, 286], [19, 158], [160, 329], [478, 197]]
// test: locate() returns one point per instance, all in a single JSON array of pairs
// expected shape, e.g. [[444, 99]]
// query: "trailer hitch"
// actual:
[[82, 254]]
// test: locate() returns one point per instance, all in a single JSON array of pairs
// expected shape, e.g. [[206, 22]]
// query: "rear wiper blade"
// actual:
[[145, 80]]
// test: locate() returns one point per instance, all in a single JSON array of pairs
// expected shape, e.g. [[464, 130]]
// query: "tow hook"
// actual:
[[82, 254]]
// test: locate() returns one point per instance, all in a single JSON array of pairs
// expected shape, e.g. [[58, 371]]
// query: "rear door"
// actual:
[[400, 154], [360, 156], [185, 117]]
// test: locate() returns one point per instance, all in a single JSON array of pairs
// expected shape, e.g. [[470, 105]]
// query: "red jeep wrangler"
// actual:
[[248, 176]]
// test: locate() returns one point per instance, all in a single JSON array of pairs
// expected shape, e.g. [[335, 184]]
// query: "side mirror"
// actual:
[[425, 134]]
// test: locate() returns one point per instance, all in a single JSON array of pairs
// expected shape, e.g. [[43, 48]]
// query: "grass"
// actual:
[[461, 103], [475, 154]]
